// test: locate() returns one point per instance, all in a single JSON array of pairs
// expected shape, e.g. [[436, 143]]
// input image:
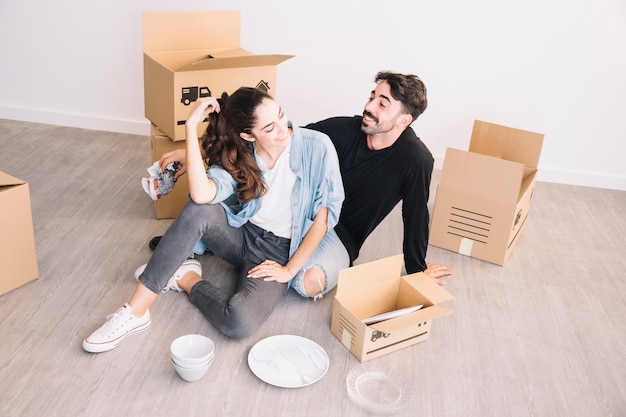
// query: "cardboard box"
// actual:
[[169, 206], [484, 195], [18, 258], [377, 287], [194, 54]]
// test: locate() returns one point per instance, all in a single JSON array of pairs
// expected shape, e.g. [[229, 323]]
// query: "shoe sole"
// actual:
[[104, 347]]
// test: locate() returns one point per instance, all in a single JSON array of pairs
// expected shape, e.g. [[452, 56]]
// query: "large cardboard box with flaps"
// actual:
[[376, 288], [18, 257], [188, 55], [484, 194]]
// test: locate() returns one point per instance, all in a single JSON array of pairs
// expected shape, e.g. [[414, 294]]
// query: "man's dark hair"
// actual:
[[407, 89]]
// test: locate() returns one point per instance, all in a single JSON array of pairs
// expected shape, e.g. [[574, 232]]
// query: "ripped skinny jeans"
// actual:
[[236, 315]]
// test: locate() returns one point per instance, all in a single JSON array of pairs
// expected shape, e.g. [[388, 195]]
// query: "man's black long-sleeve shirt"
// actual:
[[374, 183]]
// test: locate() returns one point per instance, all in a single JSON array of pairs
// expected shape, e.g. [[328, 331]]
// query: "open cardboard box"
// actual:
[[484, 194], [188, 55], [377, 287], [18, 258]]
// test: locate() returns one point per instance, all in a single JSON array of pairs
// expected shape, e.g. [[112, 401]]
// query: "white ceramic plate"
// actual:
[[288, 361], [391, 314]]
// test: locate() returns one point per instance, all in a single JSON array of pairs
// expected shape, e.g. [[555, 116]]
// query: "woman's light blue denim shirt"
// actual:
[[318, 184]]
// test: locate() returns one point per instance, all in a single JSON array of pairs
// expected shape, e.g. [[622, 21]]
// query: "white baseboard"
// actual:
[[581, 178], [83, 121], [586, 179]]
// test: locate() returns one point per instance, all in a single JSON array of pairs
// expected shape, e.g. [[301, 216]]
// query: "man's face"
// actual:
[[381, 111]]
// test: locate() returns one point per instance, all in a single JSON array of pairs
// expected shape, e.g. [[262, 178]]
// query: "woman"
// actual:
[[279, 190]]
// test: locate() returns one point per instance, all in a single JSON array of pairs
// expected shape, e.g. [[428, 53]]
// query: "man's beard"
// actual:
[[376, 127], [369, 129]]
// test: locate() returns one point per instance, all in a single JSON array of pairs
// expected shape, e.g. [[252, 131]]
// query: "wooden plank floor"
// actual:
[[545, 335]]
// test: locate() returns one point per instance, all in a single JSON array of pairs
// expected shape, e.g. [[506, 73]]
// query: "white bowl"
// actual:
[[191, 374], [192, 366], [192, 349]]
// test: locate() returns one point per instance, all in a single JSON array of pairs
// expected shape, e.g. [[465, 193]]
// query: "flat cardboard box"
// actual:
[[377, 287], [188, 55], [18, 258], [484, 194], [169, 206]]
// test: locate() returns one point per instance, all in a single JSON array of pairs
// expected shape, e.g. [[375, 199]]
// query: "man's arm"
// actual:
[[416, 192]]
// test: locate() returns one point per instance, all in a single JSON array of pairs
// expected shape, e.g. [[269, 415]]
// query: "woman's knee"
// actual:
[[238, 332], [192, 211], [314, 281], [202, 217], [238, 325], [242, 319]]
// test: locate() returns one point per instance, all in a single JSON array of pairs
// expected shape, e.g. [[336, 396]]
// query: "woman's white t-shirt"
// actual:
[[275, 214]]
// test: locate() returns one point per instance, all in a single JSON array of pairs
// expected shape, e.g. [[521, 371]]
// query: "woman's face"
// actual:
[[271, 129]]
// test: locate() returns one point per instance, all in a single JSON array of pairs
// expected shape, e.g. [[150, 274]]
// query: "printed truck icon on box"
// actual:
[[191, 94]]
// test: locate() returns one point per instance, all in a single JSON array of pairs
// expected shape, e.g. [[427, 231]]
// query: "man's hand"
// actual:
[[435, 272]]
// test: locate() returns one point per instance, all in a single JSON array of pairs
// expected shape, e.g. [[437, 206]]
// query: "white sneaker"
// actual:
[[139, 270], [187, 266], [117, 327]]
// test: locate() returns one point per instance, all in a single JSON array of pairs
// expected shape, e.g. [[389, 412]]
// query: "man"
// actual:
[[382, 162]]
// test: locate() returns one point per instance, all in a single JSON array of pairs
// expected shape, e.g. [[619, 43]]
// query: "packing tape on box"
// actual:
[[465, 248], [346, 338]]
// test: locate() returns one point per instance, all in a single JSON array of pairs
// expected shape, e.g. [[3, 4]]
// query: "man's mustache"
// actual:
[[370, 115]]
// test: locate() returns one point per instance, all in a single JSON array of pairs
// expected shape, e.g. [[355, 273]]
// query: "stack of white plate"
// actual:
[[192, 356]]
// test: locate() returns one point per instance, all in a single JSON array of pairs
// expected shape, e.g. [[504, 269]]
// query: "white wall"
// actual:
[[555, 67]]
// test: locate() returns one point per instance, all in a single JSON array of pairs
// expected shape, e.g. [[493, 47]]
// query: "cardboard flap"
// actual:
[[413, 319], [428, 288], [172, 31], [481, 176], [506, 143], [370, 273], [236, 62], [7, 180]]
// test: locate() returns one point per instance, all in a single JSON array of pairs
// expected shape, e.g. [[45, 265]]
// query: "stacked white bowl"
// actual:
[[192, 356]]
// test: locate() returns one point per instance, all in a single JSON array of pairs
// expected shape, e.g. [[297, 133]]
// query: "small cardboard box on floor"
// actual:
[[188, 55], [377, 287], [18, 258], [484, 194]]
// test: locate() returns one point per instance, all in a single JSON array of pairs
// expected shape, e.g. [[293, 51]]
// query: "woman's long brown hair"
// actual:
[[223, 145]]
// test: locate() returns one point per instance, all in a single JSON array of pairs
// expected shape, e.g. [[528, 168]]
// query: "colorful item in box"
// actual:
[[160, 183]]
